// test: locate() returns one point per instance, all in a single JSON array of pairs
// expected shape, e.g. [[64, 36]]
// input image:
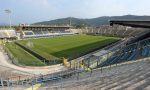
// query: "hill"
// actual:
[[92, 22]]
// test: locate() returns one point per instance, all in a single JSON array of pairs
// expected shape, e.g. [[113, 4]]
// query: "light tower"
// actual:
[[9, 15]]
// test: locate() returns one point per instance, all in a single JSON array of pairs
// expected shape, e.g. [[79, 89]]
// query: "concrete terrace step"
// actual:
[[137, 84], [103, 77], [120, 80], [120, 77], [117, 78], [133, 81], [113, 79], [147, 88], [144, 85]]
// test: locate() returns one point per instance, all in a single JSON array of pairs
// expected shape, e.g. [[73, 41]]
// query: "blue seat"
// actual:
[[123, 57], [133, 55], [112, 59], [148, 50], [40, 81], [145, 51], [105, 63], [116, 59], [130, 52]]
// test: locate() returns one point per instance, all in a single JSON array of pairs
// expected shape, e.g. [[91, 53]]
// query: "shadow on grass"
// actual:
[[76, 52]]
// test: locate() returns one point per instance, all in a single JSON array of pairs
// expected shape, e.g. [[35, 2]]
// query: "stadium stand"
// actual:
[[41, 34], [10, 77], [7, 33], [125, 53], [42, 31], [28, 33], [128, 32], [116, 30], [38, 32], [132, 76], [45, 32], [129, 53]]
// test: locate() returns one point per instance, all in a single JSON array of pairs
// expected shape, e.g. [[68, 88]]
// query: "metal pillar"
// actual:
[[32, 86], [77, 75], [2, 84]]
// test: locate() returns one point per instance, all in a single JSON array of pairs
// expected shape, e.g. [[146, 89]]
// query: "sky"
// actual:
[[31, 11]]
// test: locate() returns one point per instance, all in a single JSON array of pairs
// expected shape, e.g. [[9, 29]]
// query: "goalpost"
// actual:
[[30, 44]]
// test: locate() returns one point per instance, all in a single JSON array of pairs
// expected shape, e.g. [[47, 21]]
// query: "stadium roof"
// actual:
[[132, 23]]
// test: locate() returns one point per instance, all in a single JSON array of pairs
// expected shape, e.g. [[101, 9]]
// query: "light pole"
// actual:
[[9, 15], [70, 21]]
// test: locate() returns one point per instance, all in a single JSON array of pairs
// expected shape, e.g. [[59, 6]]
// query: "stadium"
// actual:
[[44, 57]]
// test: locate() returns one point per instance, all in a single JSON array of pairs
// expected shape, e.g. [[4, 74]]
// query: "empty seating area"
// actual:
[[133, 76], [44, 33], [123, 54], [145, 47], [7, 33], [129, 32], [129, 53], [3, 34], [38, 32], [11, 33], [28, 33], [116, 30], [9, 76]]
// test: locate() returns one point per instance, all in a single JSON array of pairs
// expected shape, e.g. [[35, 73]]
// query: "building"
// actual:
[[28, 31]]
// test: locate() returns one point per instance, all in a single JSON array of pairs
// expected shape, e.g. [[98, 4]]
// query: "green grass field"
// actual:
[[23, 57], [58, 47]]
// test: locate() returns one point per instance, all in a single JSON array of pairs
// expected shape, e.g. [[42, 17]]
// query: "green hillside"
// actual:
[[92, 22]]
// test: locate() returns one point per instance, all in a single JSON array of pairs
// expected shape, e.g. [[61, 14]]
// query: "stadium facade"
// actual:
[[29, 31]]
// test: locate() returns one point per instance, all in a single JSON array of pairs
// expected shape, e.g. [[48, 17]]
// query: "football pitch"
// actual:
[[55, 48]]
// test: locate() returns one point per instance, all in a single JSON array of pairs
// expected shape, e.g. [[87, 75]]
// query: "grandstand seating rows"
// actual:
[[116, 30], [133, 76], [130, 52], [126, 76], [40, 33], [7, 33], [105, 30], [12, 75]]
